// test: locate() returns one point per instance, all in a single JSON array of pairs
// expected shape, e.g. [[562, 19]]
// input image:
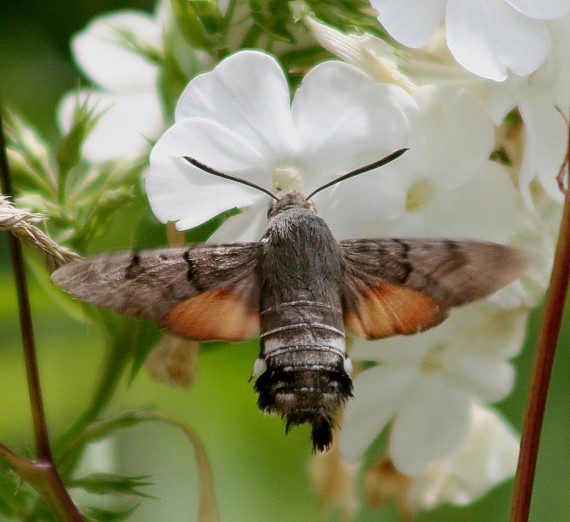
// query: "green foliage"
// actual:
[[110, 483], [105, 515], [69, 151], [273, 17], [201, 23]]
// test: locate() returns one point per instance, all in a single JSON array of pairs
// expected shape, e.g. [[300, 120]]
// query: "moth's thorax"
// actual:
[[299, 256], [288, 199]]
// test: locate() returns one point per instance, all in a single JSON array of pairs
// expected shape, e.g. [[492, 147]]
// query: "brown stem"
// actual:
[[544, 360], [53, 488]]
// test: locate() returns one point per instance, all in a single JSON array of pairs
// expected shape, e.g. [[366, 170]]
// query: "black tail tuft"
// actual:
[[322, 433], [305, 396]]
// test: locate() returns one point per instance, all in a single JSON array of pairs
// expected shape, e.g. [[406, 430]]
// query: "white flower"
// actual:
[[424, 385], [537, 230], [239, 119], [487, 457], [365, 51], [444, 186], [487, 37], [541, 99], [126, 93]]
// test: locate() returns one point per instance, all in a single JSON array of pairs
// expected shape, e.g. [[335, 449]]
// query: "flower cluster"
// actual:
[[479, 106]]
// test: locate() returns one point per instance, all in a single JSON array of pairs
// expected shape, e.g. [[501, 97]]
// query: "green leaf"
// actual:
[[110, 483], [96, 514], [142, 343], [202, 232], [273, 16], [70, 149], [102, 428], [31, 160], [15, 494], [345, 15], [201, 23]]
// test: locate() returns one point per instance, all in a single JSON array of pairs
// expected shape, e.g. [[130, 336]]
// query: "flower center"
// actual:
[[434, 359], [286, 177], [419, 194]]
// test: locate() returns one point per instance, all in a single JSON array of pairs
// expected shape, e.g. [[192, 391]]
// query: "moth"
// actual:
[[301, 292]]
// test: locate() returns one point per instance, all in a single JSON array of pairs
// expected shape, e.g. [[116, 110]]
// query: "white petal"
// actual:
[[411, 22], [483, 209], [494, 330], [361, 207], [454, 135], [367, 52], [545, 9], [217, 147], [247, 93], [545, 145], [430, 426], [378, 393], [401, 350], [102, 55], [345, 120], [122, 130], [489, 38], [247, 226], [486, 378], [180, 192], [487, 457]]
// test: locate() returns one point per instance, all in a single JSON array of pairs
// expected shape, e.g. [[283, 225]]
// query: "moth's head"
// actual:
[[287, 199]]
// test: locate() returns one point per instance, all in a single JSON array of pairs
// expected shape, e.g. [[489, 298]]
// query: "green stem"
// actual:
[[41, 474], [69, 448], [544, 360], [208, 509], [250, 37]]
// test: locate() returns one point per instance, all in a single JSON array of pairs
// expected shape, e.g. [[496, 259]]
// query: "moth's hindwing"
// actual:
[[395, 286], [200, 292]]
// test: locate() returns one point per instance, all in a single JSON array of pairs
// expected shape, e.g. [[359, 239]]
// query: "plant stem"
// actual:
[[69, 446], [42, 474], [38, 416], [544, 360]]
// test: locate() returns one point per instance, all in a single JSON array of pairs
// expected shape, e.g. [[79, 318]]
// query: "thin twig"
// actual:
[[40, 430], [544, 360], [55, 492]]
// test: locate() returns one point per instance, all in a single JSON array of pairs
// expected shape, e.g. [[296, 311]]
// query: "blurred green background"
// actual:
[[259, 473]]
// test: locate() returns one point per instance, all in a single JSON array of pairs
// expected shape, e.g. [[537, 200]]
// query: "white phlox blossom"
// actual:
[[537, 150], [542, 100], [239, 119], [423, 388], [441, 186], [487, 37], [487, 457], [126, 92]]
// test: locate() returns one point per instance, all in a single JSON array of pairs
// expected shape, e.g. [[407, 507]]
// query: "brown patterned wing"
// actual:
[[198, 292], [397, 286]]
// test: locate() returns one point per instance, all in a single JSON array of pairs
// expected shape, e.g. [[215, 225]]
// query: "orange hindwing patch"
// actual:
[[218, 314], [390, 309]]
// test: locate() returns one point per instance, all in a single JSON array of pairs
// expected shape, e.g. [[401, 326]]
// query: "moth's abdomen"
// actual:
[[303, 371]]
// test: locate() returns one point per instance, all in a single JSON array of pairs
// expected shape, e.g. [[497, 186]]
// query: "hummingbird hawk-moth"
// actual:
[[300, 291]]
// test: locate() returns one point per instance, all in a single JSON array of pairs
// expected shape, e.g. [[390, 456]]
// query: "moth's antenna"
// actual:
[[366, 168], [210, 170]]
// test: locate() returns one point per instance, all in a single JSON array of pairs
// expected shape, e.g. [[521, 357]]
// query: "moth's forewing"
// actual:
[[197, 292], [398, 286]]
